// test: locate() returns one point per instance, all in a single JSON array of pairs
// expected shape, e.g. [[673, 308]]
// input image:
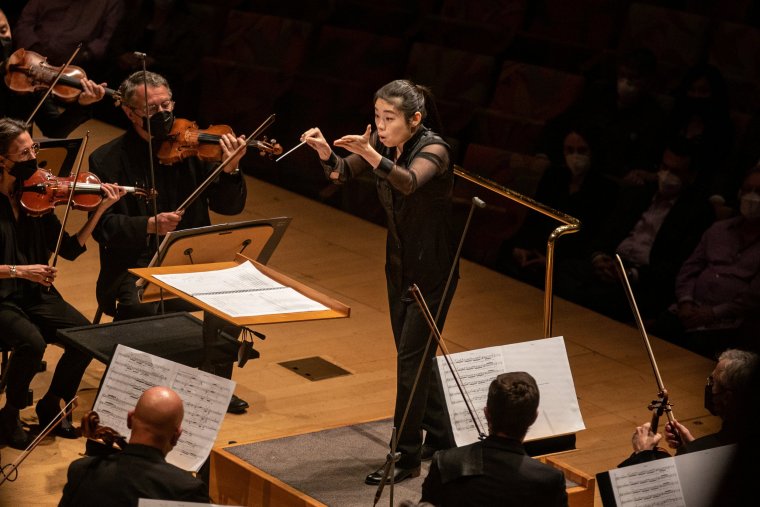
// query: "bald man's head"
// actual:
[[157, 419]]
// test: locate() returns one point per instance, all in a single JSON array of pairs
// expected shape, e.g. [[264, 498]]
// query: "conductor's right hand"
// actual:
[[167, 222], [314, 138]]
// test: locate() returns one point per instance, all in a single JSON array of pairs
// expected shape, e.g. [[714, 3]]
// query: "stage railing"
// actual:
[[569, 226]]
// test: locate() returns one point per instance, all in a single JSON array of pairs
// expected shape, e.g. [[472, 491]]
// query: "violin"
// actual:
[[28, 72], [43, 191], [187, 140]]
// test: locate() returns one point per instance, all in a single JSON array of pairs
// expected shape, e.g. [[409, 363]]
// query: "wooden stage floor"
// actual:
[[343, 256]]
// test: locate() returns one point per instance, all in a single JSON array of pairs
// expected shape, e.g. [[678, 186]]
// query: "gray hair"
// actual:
[[738, 368], [129, 86]]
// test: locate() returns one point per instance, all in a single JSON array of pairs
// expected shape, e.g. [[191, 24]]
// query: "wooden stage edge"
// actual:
[[342, 256]]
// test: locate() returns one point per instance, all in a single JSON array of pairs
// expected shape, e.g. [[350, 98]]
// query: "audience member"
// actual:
[[653, 229], [718, 286], [497, 471], [570, 185], [53, 28], [140, 470], [701, 115], [628, 117], [726, 394], [52, 121]]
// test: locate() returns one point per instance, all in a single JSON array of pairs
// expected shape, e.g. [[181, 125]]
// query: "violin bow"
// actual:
[[70, 199], [198, 191], [661, 405], [52, 85], [8, 470]]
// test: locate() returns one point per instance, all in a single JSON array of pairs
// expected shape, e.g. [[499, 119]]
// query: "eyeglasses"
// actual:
[[166, 105], [26, 153], [710, 381]]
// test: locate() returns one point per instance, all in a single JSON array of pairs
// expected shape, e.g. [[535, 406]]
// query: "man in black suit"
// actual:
[[140, 470], [497, 471]]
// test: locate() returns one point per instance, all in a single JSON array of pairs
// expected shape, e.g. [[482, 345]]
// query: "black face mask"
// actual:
[[24, 169], [710, 400], [161, 124], [7, 46]]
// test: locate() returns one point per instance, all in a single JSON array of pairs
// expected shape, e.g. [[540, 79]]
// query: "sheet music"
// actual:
[[691, 479], [205, 398], [241, 291], [545, 360]]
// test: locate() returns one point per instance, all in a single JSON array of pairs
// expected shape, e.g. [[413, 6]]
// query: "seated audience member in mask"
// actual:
[[718, 287], [653, 228]]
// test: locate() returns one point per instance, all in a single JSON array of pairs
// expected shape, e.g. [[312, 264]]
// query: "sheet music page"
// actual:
[[545, 359], [647, 484], [242, 291], [205, 398]]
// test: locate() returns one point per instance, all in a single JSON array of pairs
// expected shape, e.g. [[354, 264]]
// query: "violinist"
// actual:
[[126, 232], [727, 394], [50, 119], [31, 310], [156, 425]]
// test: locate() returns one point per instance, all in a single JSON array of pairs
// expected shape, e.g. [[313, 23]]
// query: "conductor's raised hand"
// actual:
[[316, 140], [357, 144]]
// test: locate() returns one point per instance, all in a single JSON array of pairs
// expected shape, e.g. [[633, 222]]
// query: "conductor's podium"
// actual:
[[328, 468]]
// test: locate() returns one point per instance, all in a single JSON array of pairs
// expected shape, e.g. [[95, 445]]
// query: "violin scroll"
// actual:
[[104, 435]]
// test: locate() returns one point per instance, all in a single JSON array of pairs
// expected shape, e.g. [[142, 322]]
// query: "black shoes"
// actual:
[[399, 474], [237, 405], [47, 409], [11, 431]]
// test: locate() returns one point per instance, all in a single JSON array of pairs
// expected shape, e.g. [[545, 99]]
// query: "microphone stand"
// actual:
[[151, 167], [393, 456]]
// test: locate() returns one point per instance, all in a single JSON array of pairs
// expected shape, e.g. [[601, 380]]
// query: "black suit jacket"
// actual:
[[679, 234], [121, 232], [122, 478], [496, 471]]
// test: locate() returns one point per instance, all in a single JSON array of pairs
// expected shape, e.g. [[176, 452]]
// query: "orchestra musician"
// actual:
[[31, 310], [414, 174], [52, 121], [156, 424], [126, 232]]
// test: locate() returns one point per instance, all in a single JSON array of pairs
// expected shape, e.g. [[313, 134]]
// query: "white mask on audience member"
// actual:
[[668, 183], [578, 163], [749, 205]]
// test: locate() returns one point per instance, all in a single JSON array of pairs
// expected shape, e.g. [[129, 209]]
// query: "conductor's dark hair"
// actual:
[[513, 404], [409, 98], [10, 129]]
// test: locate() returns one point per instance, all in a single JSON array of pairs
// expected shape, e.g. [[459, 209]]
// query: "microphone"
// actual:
[[140, 55], [477, 201]]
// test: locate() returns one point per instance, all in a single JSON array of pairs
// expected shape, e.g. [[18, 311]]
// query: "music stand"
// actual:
[[256, 239]]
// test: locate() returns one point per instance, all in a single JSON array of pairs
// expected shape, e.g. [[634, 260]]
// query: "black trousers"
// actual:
[[28, 325], [426, 411]]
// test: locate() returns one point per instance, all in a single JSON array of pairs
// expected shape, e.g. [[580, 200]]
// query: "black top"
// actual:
[[31, 240], [121, 232], [419, 247], [122, 478], [494, 472]]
